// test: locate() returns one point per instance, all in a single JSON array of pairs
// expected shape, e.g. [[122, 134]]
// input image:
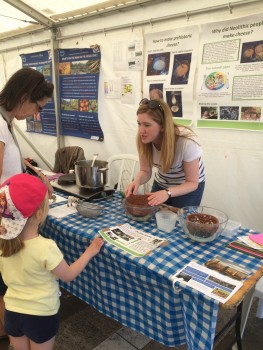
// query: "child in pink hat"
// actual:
[[31, 264]]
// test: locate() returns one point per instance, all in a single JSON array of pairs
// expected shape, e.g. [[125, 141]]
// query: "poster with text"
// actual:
[[127, 90], [112, 88], [78, 85], [128, 55], [230, 79], [43, 122], [170, 68]]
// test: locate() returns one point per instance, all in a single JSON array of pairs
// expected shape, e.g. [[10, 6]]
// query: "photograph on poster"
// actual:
[[44, 69], [34, 124], [158, 63], [229, 112], [252, 52], [86, 105], [37, 116], [80, 67], [208, 112], [174, 100], [68, 104], [181, 69], [251, 113], [156, 91], [131, 46], [85, 67], [216, 81], [64, 68]]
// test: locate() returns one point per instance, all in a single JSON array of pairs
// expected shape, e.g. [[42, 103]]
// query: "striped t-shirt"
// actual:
[[186, 150]]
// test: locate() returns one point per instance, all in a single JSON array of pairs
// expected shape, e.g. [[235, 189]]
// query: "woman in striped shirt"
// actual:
[[174, 151]]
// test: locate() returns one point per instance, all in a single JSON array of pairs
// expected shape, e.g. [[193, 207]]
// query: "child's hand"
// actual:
[[95, 246]]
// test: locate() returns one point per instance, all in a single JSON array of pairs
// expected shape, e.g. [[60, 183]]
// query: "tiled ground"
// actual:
[[84, 328]]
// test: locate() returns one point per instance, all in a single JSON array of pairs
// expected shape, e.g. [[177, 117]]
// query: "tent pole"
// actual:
[[56, 96]]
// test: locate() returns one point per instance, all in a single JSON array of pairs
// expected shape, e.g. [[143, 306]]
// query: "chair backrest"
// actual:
[[122, 170], [66, 157]]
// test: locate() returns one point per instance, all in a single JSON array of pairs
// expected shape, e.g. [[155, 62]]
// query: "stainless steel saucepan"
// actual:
[[88, 176]]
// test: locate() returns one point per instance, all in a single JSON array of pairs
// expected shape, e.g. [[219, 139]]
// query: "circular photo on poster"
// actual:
[[215, 80], [158, 63]]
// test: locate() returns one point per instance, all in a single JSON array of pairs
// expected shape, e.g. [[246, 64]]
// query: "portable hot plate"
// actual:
[[67, 183]]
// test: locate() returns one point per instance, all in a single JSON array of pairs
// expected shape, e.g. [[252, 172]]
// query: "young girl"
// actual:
[[31, 264], [174, 151]]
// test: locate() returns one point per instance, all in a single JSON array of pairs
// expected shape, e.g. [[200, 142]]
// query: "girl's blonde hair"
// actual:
[[162, 115], [10, 247]]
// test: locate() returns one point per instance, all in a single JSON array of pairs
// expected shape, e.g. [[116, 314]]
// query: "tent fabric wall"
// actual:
[[233, 159]]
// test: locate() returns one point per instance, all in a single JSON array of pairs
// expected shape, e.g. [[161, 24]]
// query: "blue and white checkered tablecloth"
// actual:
[[138, 292]]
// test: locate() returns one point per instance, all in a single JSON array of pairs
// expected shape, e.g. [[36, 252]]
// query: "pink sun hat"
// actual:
[[20, 196]]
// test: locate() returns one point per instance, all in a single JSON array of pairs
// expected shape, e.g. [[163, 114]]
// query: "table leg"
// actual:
[[237, 320], [238, 326]]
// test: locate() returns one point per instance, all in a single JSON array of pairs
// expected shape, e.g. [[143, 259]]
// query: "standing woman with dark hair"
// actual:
[[174, 151], [24, 94]]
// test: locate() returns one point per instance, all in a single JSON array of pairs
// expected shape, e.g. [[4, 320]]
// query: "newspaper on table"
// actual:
[[132, 240], [209, 282]]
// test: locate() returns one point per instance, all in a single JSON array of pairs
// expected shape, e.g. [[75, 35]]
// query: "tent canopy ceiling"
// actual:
[[20, 16]]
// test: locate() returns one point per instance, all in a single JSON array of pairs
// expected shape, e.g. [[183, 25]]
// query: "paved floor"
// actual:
[[84, 328]]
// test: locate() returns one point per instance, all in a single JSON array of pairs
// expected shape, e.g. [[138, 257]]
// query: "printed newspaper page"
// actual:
[[211, 283], [133, 241]]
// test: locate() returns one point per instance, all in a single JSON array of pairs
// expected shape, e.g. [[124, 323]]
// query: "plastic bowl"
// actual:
[[89, 210], [137, 208], [202, 224]]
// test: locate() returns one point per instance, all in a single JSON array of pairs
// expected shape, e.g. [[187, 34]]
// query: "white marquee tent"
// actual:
[[233, 158]]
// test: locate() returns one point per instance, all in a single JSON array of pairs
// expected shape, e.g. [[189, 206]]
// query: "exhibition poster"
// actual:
[[79, 71], [44, 121], [170, 66], [230, 74]]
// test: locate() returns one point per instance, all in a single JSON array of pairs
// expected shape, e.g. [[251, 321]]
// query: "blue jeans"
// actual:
[[189, 199]]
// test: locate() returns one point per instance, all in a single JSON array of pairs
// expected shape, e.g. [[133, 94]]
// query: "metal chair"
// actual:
[[122, 170], [258, 292]]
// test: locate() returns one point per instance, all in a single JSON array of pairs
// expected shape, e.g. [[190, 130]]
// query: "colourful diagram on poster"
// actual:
[[215, 80]]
